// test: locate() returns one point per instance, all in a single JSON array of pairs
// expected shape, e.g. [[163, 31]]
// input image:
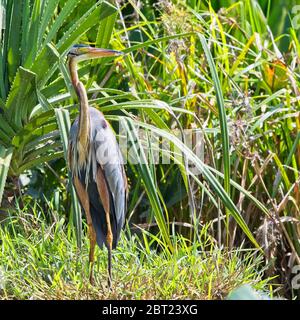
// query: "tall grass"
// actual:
[[42, 261]]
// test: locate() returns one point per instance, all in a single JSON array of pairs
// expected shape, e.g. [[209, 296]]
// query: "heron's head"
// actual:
[[81, 52]]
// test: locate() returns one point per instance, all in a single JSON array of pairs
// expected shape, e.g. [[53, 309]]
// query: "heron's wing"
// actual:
[[108, 156]]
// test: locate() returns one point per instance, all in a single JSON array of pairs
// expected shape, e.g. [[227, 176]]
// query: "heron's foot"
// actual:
[[109, 282], [92, 280], [109, 264]]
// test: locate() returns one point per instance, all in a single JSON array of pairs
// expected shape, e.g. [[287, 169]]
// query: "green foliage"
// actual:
[[31, 51], [214, 67]]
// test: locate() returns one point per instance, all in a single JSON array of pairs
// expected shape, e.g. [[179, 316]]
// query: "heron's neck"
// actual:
[[83, 133], [73, 73], [84, 119]]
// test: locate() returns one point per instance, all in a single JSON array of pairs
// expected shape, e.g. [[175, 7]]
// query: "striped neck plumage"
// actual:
[[84, 119], [83, 134]]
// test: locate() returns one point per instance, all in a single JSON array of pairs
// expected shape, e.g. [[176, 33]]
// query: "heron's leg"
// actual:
[[109, 239], [104, 195], [84, 200], [92, 236]]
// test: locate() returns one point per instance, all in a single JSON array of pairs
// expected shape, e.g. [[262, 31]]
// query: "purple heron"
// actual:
[[96, 165]]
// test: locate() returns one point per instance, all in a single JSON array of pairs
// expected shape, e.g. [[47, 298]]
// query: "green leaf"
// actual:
[[13, 57], [43, 64], [222, 114], [5, 158], [105, 30], [23, 94], [31, 41], [43, 101], [6, 132], [97, 12], [69, 6], [22, 97], [64, 124], [38, 160], [25, 48], [46, 18], [34, 125]]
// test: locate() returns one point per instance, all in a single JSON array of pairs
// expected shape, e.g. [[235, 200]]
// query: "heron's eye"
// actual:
[[73, 52]]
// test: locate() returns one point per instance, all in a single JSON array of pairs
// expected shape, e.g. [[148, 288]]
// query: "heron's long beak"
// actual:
[[98, 52], [85, 53]]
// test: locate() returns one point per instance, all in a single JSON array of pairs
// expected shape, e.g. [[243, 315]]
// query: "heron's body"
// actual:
[[96, 165], [101, 136]]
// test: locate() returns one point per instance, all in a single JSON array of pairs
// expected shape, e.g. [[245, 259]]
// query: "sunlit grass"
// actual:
[[40, 260]]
